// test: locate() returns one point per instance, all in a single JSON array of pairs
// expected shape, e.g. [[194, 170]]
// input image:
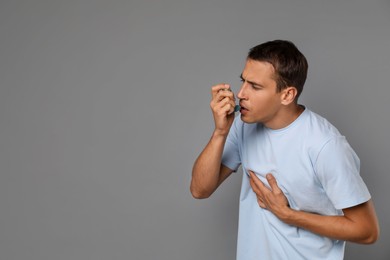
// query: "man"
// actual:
[[302, 196]]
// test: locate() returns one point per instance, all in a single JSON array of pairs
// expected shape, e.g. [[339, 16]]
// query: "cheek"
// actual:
[[263, 102], [266, 104]]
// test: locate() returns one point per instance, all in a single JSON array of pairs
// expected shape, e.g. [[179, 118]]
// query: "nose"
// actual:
[[241, 92]]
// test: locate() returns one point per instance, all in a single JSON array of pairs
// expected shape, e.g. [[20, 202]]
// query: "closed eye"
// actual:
[[253, 85], [256, 87]]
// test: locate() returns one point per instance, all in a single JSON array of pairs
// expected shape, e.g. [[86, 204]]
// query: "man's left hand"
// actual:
[[273, 198]]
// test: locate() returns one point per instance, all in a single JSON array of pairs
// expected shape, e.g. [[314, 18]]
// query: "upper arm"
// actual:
[[341, 178], [365, 222]]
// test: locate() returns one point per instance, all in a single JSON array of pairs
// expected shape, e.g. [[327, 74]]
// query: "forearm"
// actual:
[[359, 223], [359, 229], [336, 227], [206, 171]]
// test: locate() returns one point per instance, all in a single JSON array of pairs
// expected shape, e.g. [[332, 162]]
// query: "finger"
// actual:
[[254, 186], [259, 184], [223, 93], [217, 88], [232, 106], [272, 182], [220, 96], [256, 190], [259, 194], [226, 105]]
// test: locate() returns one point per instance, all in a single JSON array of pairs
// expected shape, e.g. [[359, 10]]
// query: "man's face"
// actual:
[[259, 100]]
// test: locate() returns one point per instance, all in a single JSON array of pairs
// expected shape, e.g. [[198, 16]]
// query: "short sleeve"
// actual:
[[231, 152], [338, 170]]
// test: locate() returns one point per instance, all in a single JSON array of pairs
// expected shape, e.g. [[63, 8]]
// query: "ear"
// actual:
[[288, 95]]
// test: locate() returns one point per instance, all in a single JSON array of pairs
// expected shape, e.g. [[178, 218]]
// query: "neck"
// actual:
[[286, 116]]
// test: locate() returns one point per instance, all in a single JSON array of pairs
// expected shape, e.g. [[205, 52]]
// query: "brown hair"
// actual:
[[289, 63]]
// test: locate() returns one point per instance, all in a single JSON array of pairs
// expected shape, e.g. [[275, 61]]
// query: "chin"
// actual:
[[247, 120]]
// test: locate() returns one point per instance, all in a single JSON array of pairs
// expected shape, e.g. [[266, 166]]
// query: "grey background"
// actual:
[[104, 106]]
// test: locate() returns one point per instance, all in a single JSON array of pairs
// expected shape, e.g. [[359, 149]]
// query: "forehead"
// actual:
[[258, 71]]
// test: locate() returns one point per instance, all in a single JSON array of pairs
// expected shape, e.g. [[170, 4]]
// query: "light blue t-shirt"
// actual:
[[318, 172]]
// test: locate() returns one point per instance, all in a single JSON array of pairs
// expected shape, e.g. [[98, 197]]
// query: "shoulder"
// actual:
[[320, 128], [319, 132]]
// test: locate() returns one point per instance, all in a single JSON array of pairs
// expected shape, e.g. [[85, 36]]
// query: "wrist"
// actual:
[[287, 215], [218, 133]]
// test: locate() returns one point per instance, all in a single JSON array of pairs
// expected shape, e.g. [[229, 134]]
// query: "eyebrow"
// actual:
[[250, 82]]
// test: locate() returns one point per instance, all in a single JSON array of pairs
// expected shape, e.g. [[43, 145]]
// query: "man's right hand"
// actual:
[[208, 172], [222, 105]]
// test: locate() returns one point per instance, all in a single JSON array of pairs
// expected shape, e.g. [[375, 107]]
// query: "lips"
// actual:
[[243, 107]]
